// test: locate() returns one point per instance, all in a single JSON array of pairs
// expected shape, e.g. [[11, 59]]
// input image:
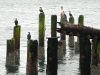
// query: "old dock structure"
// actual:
[[56, 48], [85, 34]]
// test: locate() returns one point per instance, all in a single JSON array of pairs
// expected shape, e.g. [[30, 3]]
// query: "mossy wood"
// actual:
[[71, 20], [17, 30], [32, 56], [41, 29], [53, 25], [10, 46], [81, 20]]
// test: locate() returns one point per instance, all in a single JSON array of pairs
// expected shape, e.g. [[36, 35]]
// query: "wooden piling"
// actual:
[[62, 36], [41, 36], [98, 51], [32, 58], [53, 34], [53, 25], [52, 56], [71, 38], [80, 22], [60, 51], [16, 36], [10, 55], [85, 56], [95, 52]]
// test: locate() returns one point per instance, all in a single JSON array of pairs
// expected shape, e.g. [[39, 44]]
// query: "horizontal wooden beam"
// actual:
[[78, 30]]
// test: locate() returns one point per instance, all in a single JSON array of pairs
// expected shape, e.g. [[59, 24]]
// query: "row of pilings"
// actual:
[[55, 49], [13, 50]]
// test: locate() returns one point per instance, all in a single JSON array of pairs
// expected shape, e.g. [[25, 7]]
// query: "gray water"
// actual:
[[27, 13]]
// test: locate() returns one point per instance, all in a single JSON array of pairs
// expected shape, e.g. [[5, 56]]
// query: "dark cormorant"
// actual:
[[70, 14], [40, 9], [29, 36], [16, 22]]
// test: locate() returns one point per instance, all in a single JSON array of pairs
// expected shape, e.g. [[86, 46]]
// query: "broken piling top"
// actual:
[[16, 36], [41, 29], [53, 25], [10, 46], [81, 20], [10, 56]]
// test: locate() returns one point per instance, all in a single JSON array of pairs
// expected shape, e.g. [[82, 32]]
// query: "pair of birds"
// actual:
[[29, 35], [16, 21], [63, 15]]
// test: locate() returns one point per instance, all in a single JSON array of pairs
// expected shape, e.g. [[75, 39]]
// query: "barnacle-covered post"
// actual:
[[32, 58], [71, 38], [41, 52], [80, 22], [16, 36], [52, 56]]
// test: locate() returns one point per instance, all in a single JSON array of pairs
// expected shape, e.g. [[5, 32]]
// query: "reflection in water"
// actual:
[[12, 69], [70, 63], [41, 65]]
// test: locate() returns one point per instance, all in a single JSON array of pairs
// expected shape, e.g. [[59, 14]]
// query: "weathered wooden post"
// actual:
[[16, 36], [53, 25], [80, 22], [62, 35], [71, 38], [41, 52], [53, 34], [32, 58], [85, 56], [52, 56], [95, 52], [10, 56], [98, 51]]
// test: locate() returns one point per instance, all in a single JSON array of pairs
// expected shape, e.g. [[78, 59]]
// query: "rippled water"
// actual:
[[27, 13]]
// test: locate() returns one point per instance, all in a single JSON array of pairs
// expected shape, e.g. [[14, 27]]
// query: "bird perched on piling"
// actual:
[[63, 16], [29, 36], [16, 22], [70, 14], [41, 10]]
